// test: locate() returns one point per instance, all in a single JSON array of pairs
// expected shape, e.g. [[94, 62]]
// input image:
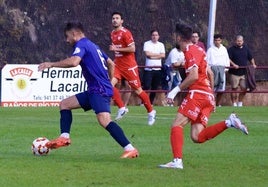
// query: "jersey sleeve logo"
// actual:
[[76, 51]]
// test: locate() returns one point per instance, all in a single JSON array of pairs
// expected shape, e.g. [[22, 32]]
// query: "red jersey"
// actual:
[[196, 57], [123, 38]]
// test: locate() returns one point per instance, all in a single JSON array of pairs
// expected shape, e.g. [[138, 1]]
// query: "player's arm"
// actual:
[[129, 49], [72, 61], [110, 65], [210, 77], [189, 80]]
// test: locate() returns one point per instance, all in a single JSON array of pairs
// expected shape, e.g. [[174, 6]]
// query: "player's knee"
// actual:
[[195, 140], [64, 105], [104, 119]]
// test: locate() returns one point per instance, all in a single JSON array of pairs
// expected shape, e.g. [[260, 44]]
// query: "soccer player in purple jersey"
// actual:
[[97, 69]]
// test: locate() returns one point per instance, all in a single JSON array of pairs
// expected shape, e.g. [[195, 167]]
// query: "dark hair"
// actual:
[[185, 31], [117, 13], [154, 30], [217, 36], [76, 25], [198, 33], [178, 46]]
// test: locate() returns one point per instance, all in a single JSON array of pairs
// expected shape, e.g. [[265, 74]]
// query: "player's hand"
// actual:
[[171, 95], [112, 48], [169, 101], [44, 65]]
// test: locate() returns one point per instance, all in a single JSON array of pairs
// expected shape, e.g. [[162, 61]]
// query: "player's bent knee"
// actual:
[[195, 140], [104, 118], [63, 105]]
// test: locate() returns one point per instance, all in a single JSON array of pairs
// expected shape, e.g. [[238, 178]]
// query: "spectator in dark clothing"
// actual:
[[239, 55]]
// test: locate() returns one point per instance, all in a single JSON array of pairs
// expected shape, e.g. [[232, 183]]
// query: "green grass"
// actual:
[[232, 159]]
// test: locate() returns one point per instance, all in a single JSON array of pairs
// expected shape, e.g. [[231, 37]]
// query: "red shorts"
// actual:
[[197, 107], [130, 74]]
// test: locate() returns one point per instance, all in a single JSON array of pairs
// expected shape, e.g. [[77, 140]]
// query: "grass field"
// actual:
[[232, 159]]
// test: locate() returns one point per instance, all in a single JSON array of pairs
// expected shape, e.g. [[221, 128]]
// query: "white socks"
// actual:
[[129, 147], [65, 135]]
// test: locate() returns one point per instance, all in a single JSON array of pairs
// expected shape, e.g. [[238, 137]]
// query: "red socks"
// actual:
[[117, 98], [143, 96], [146, 101], [176, 139], [211, 131]]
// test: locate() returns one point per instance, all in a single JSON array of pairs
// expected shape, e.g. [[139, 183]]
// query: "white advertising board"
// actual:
[[24, 86]]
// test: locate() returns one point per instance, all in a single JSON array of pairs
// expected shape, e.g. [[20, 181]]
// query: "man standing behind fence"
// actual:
[[196, 41], [218, 60], [155, 52], [239, 55]]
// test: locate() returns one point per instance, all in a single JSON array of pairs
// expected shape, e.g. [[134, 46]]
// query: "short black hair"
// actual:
[[178, 46], [76, 25], [185, 31], [117, 13], [153, 30], [217, 36], [198, 32]]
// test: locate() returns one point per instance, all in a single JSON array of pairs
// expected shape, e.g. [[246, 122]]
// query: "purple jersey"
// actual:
[[94, 67]]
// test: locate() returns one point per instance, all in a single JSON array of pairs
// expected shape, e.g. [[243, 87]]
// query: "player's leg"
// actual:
[[117, 96], [200, 133], [122, 110], [147, 104], [190, 103], [101, 106], [132, 76], [200, 136], [176, 141], [66, 106], [126, 95]]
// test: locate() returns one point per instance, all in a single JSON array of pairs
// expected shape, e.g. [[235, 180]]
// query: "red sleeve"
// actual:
[[128, 38], [190, 61]]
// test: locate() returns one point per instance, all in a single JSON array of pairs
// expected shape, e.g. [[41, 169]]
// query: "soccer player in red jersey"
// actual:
[[123, 46], [198, 103]]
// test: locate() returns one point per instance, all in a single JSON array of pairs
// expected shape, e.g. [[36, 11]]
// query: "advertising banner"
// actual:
[[23, 85]]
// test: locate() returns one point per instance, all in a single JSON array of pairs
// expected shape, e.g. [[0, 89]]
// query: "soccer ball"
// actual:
[[39, 146]]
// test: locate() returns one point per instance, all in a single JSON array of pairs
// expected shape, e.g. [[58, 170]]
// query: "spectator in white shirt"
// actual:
[[175, 59], [155, 52], [218, 60]]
